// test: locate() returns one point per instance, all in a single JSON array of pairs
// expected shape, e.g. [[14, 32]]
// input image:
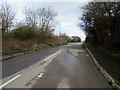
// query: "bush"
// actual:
[[24, 33], [28, 33]]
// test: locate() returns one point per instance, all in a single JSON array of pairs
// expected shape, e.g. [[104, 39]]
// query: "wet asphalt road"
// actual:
[[73, 68], [16, 64]]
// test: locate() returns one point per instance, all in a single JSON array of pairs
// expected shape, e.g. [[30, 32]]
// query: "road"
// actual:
[[67, 66]]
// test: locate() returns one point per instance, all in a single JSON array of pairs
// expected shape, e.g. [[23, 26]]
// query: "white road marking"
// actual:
[[50, 56], [35, 69], [40, 75], [6, 83]]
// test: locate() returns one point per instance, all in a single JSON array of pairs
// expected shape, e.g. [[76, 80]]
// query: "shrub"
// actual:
[[24, 33]]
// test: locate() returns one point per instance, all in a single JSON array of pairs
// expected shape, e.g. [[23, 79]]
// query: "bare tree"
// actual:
[[0, 21], [46, 18], [7, 16], [31, 17]]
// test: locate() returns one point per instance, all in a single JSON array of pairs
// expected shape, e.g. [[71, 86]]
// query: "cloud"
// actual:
[[46, 0], [71, 30], [68, 14]]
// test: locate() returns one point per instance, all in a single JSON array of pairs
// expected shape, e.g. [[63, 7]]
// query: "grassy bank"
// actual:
[[111, 63], [89, 45], [12, 45], [34, 48], [108, 51]]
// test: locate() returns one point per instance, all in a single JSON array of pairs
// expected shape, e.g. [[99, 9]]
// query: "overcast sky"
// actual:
[[68, 14]]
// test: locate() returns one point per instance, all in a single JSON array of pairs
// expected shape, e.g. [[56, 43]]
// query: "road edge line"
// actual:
[[104, 72]]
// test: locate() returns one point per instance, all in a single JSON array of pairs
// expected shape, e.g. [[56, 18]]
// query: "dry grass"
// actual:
[[15, 44]]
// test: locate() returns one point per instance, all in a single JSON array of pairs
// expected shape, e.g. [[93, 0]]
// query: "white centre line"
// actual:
[[6, 83], [50, 56]]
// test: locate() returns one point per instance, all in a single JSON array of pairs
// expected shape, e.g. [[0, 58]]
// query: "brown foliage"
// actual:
[[13, 44]]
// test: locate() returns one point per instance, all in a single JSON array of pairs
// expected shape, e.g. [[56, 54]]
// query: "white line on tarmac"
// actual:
[[50, 56], [40, 75], [6, 83]]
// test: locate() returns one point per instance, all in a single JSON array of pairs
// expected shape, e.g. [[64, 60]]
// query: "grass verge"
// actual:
[[25, 51], [7, 52], [109, 62], [89, 45]]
